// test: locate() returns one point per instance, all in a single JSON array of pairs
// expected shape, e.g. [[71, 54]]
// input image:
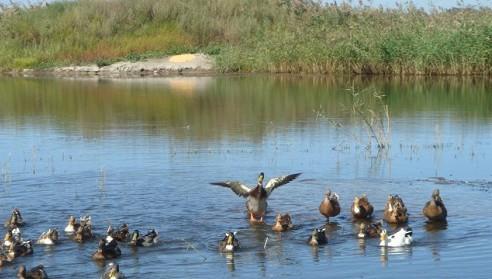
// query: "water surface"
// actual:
[[142, 151]]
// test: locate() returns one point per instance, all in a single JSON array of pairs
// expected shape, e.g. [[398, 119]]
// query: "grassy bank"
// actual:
[[251, 35]]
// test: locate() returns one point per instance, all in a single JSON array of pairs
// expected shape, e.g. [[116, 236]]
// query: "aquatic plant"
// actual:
[[376, 117], [253, 35]]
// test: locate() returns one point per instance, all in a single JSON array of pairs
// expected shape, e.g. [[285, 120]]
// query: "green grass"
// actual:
[[292, 36]]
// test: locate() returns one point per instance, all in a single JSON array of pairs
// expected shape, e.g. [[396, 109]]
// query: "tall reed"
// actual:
[[290, 36]]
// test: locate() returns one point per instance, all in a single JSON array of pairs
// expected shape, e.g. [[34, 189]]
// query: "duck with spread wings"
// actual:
[[256, 198]]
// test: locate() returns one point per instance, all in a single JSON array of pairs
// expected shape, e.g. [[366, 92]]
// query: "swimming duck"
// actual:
[[256, 198], [317, 237], [113, 272], [83, 233], [107, 250], [149, 239], [11, 237], [8, 240], [119, 235], [361, 208], [15, 219], [20, 249], [230, 243], [35, 273], [282, 223], [434, 209], [373, 230], [4, 259], [72, 225], [395, 211], [403, 237], [330, 206], [48, 238]]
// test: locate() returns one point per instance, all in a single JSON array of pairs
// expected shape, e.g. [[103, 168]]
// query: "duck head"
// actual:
[[436, 196], [356, 202], [110, 230], [230, 237], [9, 237], [71, 220], [260, 179], [134, 236], [53, 234]]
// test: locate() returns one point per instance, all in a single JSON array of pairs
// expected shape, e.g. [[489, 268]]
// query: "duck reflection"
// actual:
[[231, 266], [436, 226]]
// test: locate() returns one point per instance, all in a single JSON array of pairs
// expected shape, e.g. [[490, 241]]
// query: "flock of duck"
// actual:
[[14, 246], [395, 212]]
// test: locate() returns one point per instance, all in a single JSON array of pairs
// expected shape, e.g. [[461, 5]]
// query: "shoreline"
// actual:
[[188, 64], [183, 64]]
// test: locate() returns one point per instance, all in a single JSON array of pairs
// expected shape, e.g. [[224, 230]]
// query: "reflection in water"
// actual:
[[231, 266], [436, 226], [95, 107], [362, 246]]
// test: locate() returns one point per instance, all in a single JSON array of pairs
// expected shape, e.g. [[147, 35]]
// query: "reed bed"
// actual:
[[281, 36]]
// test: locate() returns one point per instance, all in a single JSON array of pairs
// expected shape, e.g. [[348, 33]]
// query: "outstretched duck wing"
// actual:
[[238, 188], [279, 181]]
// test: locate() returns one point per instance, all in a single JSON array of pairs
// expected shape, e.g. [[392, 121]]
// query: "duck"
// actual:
[[20, 249], [8, 240], [282, 223], [330, 206], [317, 237], [371, 231], [434, 209], [256, 198], [362, 208], [107, 250], [113, 272], [120, 234], [401, 238], [11, 237], [395, 211], [83, 233], [37, 272], [48, 238], [72, 225], [15, 219], [4, 259], [229, 243], [149, 239]]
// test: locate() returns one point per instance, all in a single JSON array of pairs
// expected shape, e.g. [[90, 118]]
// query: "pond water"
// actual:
[[142, 152]]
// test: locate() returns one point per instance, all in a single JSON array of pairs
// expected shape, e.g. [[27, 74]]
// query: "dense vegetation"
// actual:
[[251, 35]]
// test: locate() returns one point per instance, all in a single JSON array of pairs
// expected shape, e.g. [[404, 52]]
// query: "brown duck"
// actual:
[[330, 206], [371, 231], [256, 198], [395, 211], [434, 209], [282, 223], [35, 273], [361, 208]]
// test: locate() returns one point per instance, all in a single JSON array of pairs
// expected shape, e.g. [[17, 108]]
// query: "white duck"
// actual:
[[403, 237]]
